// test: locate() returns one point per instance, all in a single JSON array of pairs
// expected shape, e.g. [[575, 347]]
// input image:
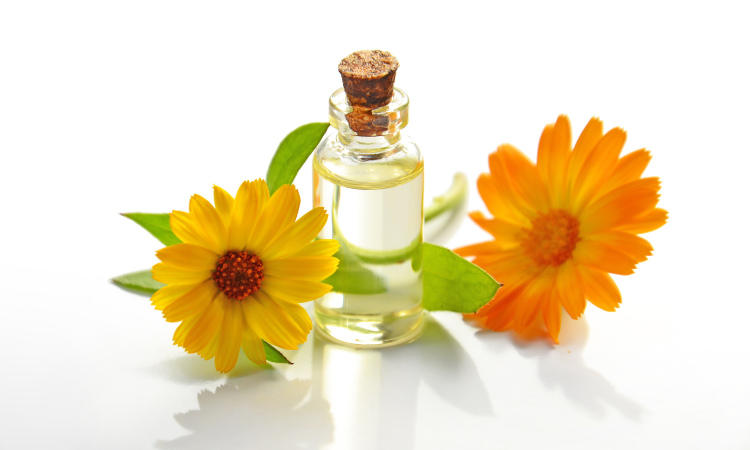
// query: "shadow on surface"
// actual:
[[438, 360], [263, 410], [563, 367]]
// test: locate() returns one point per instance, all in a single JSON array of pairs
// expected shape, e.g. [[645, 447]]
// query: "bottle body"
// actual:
[[372, 188]]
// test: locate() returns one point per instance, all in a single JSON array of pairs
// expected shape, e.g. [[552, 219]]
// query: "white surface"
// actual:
[[109, 107]]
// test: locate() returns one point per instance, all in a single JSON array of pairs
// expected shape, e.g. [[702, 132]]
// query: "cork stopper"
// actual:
[[368, 77]]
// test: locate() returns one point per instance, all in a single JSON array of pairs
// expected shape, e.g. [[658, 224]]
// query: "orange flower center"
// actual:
[[552, 238], [238, 274]]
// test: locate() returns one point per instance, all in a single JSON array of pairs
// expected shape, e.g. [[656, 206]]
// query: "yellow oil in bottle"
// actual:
[[376, 213]]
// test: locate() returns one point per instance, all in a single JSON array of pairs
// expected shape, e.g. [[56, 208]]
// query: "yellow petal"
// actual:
[[252, 197], [166, 295], [597, 169], [315, 268], [192, 302], [167, 274], [298, 234], [182, 331], [320, 247], [277, 216], [570, 289], [298, 315], [252, 345], [188, 256], [206, 327], [209, 351], [230, 338], [295, 291], [224, 204], [600, 289], [599, 255], [183, 227], [211, 228], [270, 322]]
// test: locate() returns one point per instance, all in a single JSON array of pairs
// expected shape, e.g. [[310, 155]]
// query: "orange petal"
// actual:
[[498, 314], [570, 290], [597, 169], [503, 181], [534, 298], [629, 168], [525, 178], [652, 220], [552, 159], [590, 135], [599, 255], [636, 247], [620, 206], [497, 196], [552, 312], [482, 248], [600, 289], [502, 231]]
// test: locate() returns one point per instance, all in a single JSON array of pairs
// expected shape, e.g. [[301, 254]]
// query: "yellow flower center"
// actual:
[[552, 238], [238, 274]]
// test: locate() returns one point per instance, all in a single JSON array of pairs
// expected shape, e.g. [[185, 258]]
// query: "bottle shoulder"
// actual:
[[393, 166]]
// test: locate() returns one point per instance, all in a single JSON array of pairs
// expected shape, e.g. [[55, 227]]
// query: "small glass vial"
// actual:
[[370, 179]]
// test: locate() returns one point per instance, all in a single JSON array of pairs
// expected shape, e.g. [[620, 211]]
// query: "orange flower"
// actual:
[[562, 226]]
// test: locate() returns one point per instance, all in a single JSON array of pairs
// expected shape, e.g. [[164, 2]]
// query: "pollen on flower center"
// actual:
[[552, 238], [238, 274]]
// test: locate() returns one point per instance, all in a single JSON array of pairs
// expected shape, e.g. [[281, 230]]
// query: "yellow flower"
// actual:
[[242, 270], [562, 226]]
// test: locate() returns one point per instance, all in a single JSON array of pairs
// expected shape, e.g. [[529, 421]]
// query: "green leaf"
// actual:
[[452, 283], [292, 154], [273, 355], [140, 282], [352, 277], [157, 225]]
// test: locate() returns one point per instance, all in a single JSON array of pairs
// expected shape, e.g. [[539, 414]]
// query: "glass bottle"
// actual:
[[372, 187]]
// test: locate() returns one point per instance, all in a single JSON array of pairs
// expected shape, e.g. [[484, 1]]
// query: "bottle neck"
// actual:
[[379, 130]]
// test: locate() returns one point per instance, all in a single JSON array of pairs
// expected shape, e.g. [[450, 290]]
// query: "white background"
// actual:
[[122, 106]]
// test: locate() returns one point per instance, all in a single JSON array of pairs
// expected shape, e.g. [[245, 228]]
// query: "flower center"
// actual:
[[552, 238], [238, 274]]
